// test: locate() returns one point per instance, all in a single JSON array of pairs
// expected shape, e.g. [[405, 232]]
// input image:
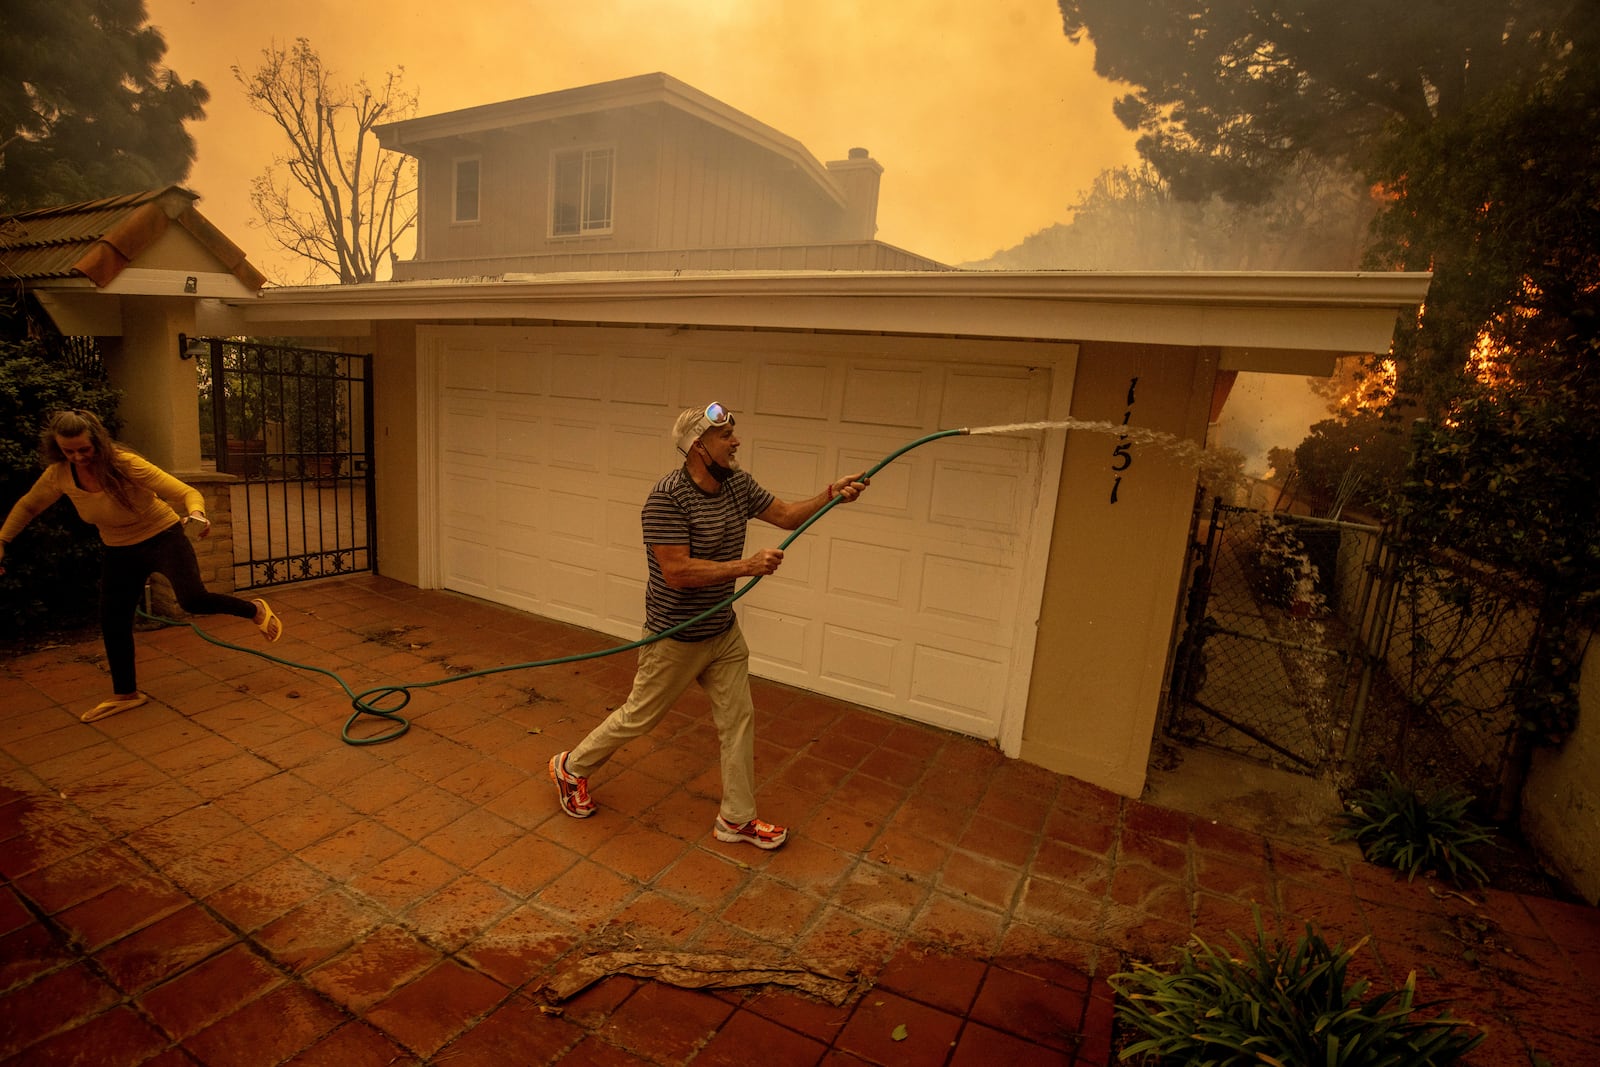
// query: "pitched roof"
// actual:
[[98, 239]]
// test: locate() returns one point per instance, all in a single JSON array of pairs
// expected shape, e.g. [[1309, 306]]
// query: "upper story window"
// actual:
[[580, 191], [466, 195]]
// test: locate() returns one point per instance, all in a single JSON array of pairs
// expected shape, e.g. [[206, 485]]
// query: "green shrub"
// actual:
[[52, 571], [1279, 1005], [1398, 827]]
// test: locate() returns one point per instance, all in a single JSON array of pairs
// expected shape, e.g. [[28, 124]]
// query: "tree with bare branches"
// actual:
[[335, 198]]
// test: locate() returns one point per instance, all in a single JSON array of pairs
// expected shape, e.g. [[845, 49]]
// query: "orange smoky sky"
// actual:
[[989, 124]]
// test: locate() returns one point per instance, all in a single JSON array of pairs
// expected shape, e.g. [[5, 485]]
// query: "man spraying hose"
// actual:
[[694, 529]]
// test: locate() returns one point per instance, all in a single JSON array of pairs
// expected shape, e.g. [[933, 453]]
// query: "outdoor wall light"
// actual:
[[189, 348]]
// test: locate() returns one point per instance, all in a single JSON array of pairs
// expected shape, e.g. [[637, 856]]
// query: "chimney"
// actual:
[[858, 179]]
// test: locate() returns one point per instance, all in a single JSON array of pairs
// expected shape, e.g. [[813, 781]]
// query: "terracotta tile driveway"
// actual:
[[217, 878]]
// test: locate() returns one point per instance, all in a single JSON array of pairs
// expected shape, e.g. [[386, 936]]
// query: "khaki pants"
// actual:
[[666, 668]]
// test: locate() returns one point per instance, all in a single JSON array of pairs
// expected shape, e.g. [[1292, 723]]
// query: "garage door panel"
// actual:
[[639, 378], [622, 601], [793, 388], [518, 509], [522, 370], [518, 437], [465, 500], [966, 591], [519, 574], [789, 471], [727, 381], [867, 571], [577, 374], [780, 637], [891, 489], [468, 368], [958, 686], [800, 560], [637, 452], [574, 587], [464, 432], [470, 567], [992, 396], [970, 495], [575, 517], [576, 446], [885, 396], [863, 660]]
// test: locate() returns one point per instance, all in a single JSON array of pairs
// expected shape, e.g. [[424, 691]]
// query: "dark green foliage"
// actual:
[[52, 571], [86, 108], [1396, 826], [1276, 1004], [1350, 462], [1230, 94]]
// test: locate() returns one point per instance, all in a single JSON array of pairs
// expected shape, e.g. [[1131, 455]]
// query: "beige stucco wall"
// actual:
[[394, 375], [161, 417], [1112, 588], [1561, 802]]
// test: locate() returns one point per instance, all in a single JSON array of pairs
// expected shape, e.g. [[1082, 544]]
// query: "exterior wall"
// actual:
[[160, 416], [1561, 801], [394, 415], [1113, 584], [679, 183]]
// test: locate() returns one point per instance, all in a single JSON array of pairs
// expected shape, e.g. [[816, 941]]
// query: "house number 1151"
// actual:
[[1122, 453]]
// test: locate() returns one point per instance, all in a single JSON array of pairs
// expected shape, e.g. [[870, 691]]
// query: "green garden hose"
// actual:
[[386, 701]]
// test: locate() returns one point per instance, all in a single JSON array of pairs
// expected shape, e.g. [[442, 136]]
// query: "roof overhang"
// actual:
[[1283, 322]]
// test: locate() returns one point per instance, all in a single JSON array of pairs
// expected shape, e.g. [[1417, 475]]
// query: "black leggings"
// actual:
[[122, 587]]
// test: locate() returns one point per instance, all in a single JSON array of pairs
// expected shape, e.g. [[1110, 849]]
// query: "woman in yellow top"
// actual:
[[125, 496]]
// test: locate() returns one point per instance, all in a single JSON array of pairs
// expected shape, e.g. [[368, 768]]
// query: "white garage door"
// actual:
[[920, 599]]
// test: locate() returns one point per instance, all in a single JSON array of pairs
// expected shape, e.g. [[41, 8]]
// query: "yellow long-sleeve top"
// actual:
[[150, 514]]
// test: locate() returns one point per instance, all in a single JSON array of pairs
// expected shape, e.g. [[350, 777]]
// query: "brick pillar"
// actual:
[[214, 553]]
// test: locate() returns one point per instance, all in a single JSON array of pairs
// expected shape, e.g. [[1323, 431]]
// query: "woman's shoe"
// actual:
[[107, 708]]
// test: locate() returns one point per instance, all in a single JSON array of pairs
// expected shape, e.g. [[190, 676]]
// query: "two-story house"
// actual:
[[638, 174]]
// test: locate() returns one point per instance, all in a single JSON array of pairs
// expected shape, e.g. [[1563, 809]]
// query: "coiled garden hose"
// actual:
[[387, 701]]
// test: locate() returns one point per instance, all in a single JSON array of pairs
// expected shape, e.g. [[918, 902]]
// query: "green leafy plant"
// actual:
[[52, 571], [1396, 826], [1280, 1004]]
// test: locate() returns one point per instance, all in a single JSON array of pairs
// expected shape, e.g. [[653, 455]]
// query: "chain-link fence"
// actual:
[[1455, 641], [1307, 646], [1270, 653]]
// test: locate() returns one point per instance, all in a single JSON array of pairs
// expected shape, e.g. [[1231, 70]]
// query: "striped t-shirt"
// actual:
[[679, 512]]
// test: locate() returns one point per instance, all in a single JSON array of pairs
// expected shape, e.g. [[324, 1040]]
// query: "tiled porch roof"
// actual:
[[98, 239]]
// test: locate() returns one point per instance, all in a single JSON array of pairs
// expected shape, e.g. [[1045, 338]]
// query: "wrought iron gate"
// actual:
[[1275, 649], [293, 424]]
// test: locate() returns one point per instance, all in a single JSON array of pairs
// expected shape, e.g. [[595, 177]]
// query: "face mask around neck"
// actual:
[[715, 469]]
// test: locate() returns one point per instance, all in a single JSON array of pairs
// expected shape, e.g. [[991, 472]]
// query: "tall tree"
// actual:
[[1226, 92], [344, 203], [86, 107]]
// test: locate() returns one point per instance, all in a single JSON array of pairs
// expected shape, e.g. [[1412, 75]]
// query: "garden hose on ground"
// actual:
[[386, 701]]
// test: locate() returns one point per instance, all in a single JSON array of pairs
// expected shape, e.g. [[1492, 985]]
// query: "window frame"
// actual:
[[455, 189], [587, 224]]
